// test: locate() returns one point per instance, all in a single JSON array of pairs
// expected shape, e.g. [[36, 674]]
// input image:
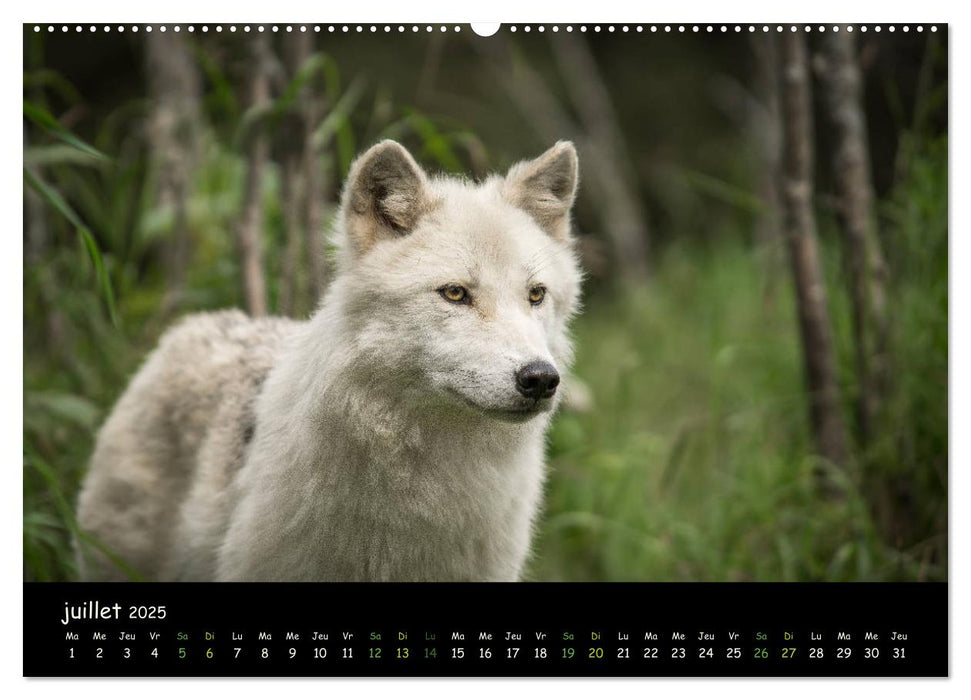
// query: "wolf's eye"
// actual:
[[455, 293], [537, 294]]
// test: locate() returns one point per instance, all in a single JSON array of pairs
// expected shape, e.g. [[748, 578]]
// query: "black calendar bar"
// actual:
[[527, 629]]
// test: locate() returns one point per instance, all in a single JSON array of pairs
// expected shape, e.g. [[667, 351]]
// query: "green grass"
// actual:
[[694, 462]]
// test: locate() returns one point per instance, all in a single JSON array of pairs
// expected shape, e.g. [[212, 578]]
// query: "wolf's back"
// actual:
[[193, 396]]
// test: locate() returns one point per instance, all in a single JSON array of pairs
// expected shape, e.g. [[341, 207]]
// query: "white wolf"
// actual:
[[396, 435]]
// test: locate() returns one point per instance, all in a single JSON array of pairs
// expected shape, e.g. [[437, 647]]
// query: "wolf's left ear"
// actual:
[[385, 195], [546, 187]]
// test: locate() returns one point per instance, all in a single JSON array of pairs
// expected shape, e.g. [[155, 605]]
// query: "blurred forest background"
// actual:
[[763, 217]]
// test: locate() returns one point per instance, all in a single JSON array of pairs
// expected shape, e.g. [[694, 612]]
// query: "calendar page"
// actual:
[[485, 350]]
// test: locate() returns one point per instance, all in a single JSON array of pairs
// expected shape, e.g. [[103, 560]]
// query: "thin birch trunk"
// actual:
[[314, 194], [293, 141], [828, 427], [250, 226], [293, 195], [867, 270]]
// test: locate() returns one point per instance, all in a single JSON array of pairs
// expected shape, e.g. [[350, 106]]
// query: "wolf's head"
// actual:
[[461, 291]]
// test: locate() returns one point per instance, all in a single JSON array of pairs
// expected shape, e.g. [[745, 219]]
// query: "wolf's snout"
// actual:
[[537, 380]]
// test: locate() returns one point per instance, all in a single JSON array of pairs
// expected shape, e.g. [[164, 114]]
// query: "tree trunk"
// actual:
[[250, 226], [313, 195], [867, 270], [828, 427], [293, 140], [765, 129], [607, 155], [290, 287], [174, 86]]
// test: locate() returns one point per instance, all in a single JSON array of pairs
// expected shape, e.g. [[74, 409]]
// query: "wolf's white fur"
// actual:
[[383, 439]]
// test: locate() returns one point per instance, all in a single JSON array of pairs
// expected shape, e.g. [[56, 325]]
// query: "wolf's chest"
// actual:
[[451, 522]]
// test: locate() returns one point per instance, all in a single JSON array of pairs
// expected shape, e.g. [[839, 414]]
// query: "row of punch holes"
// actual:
[[414, 28]]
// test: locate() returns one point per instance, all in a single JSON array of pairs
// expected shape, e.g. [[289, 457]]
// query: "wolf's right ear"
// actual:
[[385, 195]]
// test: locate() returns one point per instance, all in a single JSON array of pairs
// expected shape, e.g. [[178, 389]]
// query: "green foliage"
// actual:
[[907, 469], [75, 148], [694, 463], [48, 123]]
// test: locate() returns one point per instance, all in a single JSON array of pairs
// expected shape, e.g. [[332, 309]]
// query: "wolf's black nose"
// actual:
[[537, 380]]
